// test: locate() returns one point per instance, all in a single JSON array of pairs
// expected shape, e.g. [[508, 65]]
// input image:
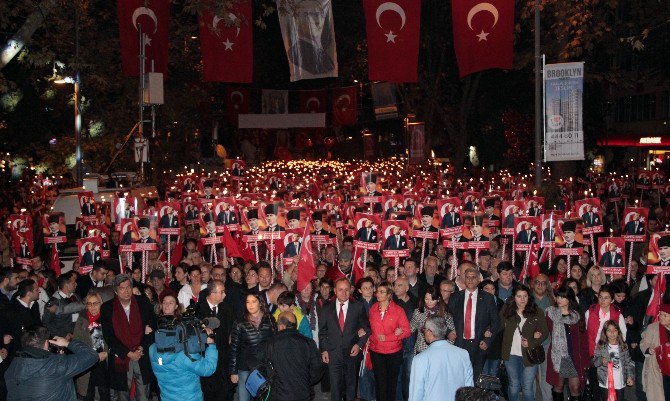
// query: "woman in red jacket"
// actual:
[[389, 326]]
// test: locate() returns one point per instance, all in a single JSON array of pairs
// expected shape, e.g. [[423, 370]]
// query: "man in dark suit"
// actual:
[[509, 219], [371, 191], [24, 252], [527, 235], [427, 219], [169, 219], [317, 218], [271, 212], [396, 241], [394, 208], [451, 218], [634, 226], [590, 218], [533, 208], [568, 229], [218, 385], [411, 206], [23, 310], [87, 209], [474, 313], [95, 279], [476, 229], [611, 258], [143, 226], [339, 341], [191, 212], [90, 256], [367, 233], [292, 249], [226, 216], [489, 208]]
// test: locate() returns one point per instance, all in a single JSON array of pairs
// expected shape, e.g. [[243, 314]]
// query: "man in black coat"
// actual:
[[339, 341], [94, 279], [474, 312], [217, 386], [295, 359], [128, 336], [23, 311]]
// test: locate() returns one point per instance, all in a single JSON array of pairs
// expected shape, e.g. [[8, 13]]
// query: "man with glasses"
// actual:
[[447, 290], [442, 368], [474, 313]]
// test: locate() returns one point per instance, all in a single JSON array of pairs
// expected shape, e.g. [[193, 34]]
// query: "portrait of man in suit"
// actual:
[[611, 258], [489, 208], [54, 226], [271, 212], [476, 229], [169, 219], [367, 233], [396, 241], [191, 212], [90, 256], [252, 218], [509, 219], [226, 215], [470, 203], [533, 208], [589, 217], [340, 342], [526, 235], [317, 218], [87, 208], [410, 205], [634, 225], [451, 218], [568, 229], [207, 190], [663, 251], [427, 219], [143, 227], [292, 249]]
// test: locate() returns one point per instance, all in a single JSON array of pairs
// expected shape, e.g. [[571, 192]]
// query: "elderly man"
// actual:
[[430, 275], [441, 369]]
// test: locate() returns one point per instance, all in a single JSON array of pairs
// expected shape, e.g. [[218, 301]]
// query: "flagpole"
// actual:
[[538, 100]]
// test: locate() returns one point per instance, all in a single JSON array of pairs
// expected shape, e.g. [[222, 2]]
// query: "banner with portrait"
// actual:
[[658, 258], [367, 231], [634, 224], [89, 212], [569, 238], [169, 221], [451, 218], [89, 251], [590, 212], [396, 239], [510, 211], [611, 255], [526, 232]]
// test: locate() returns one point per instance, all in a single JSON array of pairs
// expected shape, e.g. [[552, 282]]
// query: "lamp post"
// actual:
[[77, 125]]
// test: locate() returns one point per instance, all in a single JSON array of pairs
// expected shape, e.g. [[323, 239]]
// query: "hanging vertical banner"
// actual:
[[345, 105], [153, 17], [227, 44], [417, 143], [393, 29], [275, 101], [309, 38], [563, 92], [237, 102], [312, 101]]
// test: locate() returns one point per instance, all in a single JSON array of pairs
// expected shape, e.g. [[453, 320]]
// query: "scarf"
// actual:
[[662, 350], [593, 324], [431, 311], [92, 320], [129, 333], [559, 341]]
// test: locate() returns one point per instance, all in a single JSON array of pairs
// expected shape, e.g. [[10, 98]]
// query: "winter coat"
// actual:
[[178, 376], [297, 364], [37, 374], [627, 364], [82, 334], [578, 345], [535, 322], [60, 323], [652, 378], [246, 343]]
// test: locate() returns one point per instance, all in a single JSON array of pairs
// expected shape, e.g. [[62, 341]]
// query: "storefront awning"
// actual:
[[654, 141]]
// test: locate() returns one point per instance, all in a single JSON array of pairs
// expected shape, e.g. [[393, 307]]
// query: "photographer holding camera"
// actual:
[[178, 374], [37, 374]]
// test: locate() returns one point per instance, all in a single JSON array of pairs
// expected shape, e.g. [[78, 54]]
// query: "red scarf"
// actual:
[[663, 351], [129, 333], [594, 324], [92, 319]]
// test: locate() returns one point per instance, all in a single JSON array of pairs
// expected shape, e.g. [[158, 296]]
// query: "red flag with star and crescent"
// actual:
[[227, 44], [345, 105], [153, 17], [393, 29], [306, 266], [237, 102], [312, 101], [483, 34]]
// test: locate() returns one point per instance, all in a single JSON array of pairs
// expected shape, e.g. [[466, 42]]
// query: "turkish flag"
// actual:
[[345, 105], [227, 44], [306, 266], [483, 34], [55, 260], [232, 248], [153, 18], [312, 101], [237, 102], [393, 39]]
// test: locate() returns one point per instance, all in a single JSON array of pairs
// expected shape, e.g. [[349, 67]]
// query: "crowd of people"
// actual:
[[413, 328]]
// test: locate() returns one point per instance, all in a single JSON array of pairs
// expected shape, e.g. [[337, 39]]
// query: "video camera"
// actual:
[[186, 333]]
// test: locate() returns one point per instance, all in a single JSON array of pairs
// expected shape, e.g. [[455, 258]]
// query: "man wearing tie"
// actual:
[[527, 235], [569, 235], [143, 226], [207, 190], [367, 233], [451, 218], [410, 206], [371, 188], [396, 241], [169, 220], [474, 313], [427, 219], [533, 209], [393, 209], [191, 212], [292, 248], [24, 252], [293, 217], [476, 229], [489, 208], [611, 258], [339, 340], [226, 216], [90, 256], [590, 219], [634, 226], [664, 250], [271, 212], [215, 305]]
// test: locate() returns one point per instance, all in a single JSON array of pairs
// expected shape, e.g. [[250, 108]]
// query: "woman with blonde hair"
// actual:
[[595, 278]]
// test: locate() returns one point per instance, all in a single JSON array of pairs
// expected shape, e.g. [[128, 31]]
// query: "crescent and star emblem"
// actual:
[[150, 13], [348, 98], [488, 7], [318, 104], [232, 98], [233, 19], [390, 6]]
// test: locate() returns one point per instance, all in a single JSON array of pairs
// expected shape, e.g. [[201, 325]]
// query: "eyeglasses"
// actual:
[[92, 303], [541, 283]]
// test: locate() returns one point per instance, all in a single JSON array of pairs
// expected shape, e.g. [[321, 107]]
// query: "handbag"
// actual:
[[536, 354], [487, 382]]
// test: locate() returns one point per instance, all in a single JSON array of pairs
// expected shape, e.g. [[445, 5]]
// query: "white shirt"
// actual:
[[345, 308], [516, 340], [613, 351], [185, 295], [474, 311], [605, 317]]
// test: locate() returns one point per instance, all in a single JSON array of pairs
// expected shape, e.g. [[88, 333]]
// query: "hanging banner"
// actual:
[[563, 111], [309, 38], [153, 18], [417, 143], [275, 101], [384, 99]]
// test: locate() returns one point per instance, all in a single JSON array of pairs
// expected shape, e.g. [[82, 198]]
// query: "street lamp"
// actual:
[[77, 125]]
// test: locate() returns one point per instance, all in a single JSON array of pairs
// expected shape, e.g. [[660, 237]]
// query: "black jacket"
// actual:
[[21, 318], [247, 342], [36, 374], [119, 381], [332, 338], [296, 363]]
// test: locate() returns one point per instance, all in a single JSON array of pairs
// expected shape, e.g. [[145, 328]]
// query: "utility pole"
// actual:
[[539, 112]]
